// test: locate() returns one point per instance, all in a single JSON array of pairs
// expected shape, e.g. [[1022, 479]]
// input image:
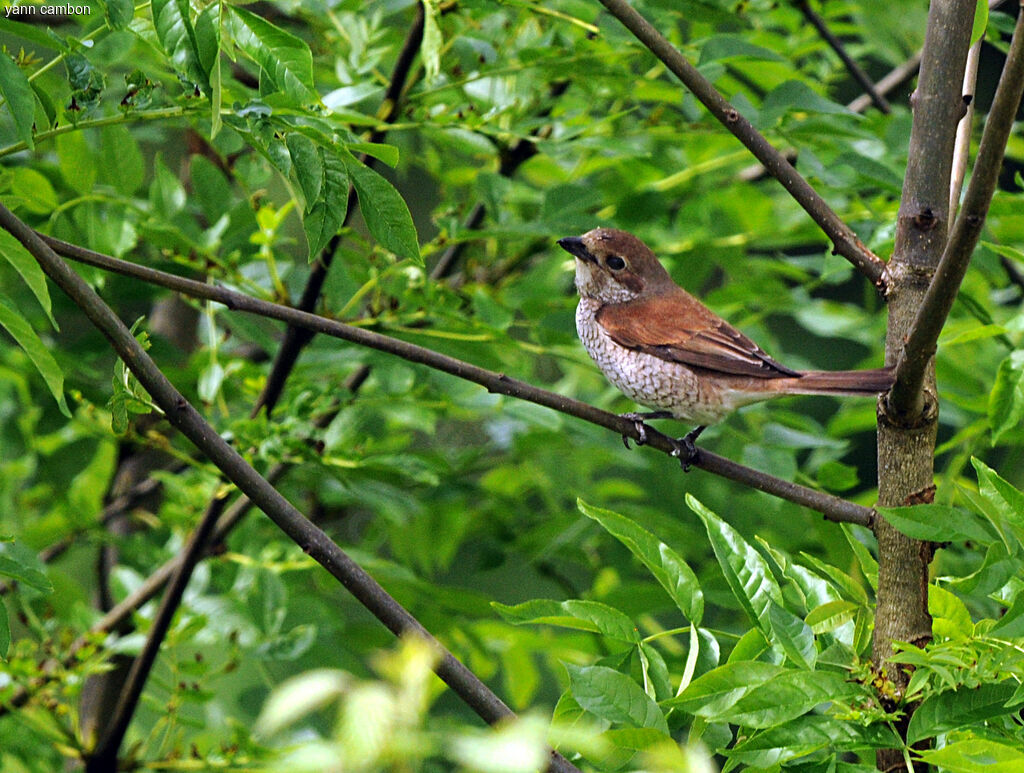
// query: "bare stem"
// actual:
[[836, 44]]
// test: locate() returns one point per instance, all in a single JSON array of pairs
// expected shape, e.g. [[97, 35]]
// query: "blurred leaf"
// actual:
[[582, 615], [20, 99], [939, 523], [15, 324], [976, 755]]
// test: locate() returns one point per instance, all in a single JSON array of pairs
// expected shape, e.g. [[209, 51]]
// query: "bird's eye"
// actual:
[[615, 263]]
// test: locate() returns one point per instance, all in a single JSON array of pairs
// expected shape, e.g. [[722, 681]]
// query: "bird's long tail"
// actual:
[[844, 382]]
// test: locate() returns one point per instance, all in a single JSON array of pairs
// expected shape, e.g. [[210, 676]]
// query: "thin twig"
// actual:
[[307, 535], [832, 507], [295, 340], [845, 241], [942, 292], [962, 148], [851, 66]]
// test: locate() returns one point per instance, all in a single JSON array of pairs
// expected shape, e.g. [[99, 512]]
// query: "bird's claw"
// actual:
[[641, 429], [685, 450]]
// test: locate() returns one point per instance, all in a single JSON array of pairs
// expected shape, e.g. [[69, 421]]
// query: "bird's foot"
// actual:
[[638, 422], [685, 450]]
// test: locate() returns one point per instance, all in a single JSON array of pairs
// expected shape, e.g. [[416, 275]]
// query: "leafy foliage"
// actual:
[[638, 617]]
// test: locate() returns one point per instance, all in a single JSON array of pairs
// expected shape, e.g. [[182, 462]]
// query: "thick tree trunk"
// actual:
[[906, 438]]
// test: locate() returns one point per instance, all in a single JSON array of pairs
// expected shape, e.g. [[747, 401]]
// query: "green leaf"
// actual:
[[1006, 401], [717, 691], [21, 100], [1005, 501], [725, 47], [831, 615], [611, 695], [788, 695], [976, 755], [1011, 624], [745, 570], [285, 59], [5, 632], [955, 710], [938, 523], [795, 636], [119, 13], [797, 96], [331, 205], [808, 734], [580, 615], [950, 618], [77, 162], [33, 191], [19, 571], [384, 210], [178, 37], [432, 42], [122, 164], [668, 568], [387, 154], [980, 20], [14, 253], [36, 350], [307, 165]]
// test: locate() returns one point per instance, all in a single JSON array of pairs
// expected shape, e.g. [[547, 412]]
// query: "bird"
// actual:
[[666, 350]]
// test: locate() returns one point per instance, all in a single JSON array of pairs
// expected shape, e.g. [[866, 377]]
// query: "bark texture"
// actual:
[[906, 434]]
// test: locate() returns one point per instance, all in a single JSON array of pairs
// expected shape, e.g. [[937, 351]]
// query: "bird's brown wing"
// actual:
[[678, 328]]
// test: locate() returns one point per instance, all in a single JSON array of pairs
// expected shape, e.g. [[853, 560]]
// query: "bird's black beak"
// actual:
[[574, 246]]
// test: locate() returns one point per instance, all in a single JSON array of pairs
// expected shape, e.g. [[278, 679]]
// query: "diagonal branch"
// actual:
[[832, 507], [307, 535], [942, 292], [852, 67], [845, 241]]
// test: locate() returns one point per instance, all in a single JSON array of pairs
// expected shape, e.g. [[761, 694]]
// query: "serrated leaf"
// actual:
[[15, 253], [580, 615], [938, 523], [953, 710], [307, 165], [745, 570], [328, 212], [173, 24], [612, 695], [285, 59], [668, 568], [384, 210], [12, 321], [21, 100]]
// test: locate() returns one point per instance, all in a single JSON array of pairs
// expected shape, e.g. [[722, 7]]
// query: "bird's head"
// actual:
[[613, 266]]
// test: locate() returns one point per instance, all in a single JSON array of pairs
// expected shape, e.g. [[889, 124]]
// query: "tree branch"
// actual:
[[832, 507], [845, 241], [293, 523], [942, 292], [837, 45], [295, 340]]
